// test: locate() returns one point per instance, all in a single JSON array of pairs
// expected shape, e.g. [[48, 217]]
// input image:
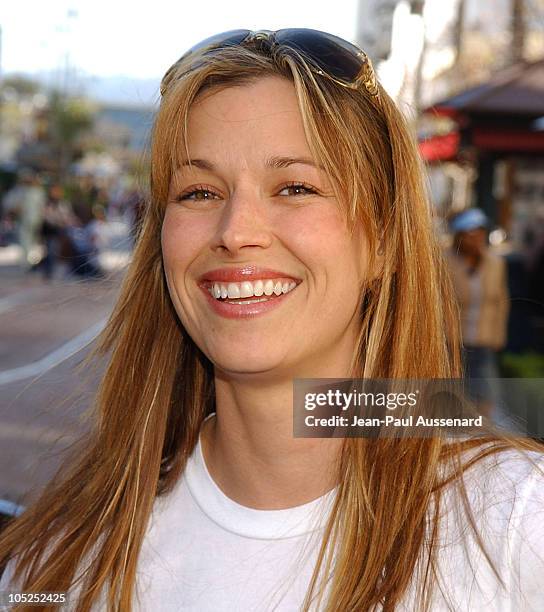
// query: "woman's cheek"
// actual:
[[309, 229], [180, 240]]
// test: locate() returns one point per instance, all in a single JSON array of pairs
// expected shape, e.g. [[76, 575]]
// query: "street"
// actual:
[[47, 330]]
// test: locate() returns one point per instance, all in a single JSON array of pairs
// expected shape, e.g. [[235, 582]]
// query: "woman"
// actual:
[[58, 216], [276, 158], [480, 284]]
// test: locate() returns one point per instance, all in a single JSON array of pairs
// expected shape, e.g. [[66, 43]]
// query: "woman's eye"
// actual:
[[198, 195], [295, 189]]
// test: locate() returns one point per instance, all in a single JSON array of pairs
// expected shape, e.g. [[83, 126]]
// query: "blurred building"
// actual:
[[470, 75], [493, 135], [425, 50], [375, 27], [124, 126], [399, 35], [53, 133]]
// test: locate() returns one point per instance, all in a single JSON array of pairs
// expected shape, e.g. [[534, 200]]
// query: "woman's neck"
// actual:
[[252, 455]]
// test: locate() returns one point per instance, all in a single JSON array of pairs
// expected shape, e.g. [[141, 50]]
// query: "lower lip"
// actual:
[[244, 311]]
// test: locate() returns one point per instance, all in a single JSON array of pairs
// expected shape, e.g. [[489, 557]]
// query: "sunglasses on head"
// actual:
[[334, 57]]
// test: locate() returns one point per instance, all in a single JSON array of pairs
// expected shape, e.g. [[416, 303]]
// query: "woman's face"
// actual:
[[256, 220]]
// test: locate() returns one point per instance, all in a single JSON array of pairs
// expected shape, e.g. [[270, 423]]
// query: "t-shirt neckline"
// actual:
[[250, 522]]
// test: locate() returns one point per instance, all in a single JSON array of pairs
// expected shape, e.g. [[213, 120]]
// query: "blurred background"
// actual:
[[78, 91]]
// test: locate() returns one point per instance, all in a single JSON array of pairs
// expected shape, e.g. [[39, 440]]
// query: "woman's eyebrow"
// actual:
[[275, 162], [284, 162], [199, 163]]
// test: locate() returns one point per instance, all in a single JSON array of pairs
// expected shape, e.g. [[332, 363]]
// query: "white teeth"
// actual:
[[269, 287], [249, 289], [233, 290], [245, 302], [246, 290]]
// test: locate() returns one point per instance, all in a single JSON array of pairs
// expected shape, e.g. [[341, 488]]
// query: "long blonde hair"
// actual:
[[159, 386]]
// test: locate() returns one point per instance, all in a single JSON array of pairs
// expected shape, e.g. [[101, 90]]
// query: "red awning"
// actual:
[[521, 141], [515, 91], [440, 148]]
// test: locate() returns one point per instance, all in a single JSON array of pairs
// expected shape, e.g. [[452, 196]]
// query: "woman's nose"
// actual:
[[243, 223]]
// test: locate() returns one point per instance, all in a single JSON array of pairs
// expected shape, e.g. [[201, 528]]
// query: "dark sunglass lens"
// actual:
[[336, 56], [225, 39]]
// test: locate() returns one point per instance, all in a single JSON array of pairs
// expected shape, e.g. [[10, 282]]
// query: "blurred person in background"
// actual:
[[83, 194], [481, 286], [98, 232], [89, 233], [58, 216], [27, 201], [82, 250]]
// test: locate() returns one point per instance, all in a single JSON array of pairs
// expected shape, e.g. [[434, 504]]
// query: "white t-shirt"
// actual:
[[204, 552]]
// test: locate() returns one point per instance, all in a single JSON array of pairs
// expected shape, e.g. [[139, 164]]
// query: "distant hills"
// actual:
[[127, 102], [136, 122], [122, 90], [117, 90]]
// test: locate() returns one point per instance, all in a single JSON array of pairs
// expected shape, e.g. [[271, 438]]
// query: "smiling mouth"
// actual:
[[250, 292]]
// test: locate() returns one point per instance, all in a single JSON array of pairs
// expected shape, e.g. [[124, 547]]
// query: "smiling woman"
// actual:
[[288, 236], [261, 212]]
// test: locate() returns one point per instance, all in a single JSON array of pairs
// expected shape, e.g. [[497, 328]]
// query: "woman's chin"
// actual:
[[250, 364]]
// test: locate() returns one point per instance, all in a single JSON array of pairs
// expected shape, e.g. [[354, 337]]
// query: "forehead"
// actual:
[[247, 117]]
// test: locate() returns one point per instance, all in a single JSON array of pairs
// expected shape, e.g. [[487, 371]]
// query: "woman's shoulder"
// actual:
[[505, 511], [501, 486], [503, 478], [499, 504]]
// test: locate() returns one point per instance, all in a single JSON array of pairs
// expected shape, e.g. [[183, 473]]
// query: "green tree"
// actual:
[[69, 120], [22, 85]]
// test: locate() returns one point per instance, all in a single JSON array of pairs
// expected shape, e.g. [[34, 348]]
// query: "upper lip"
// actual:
[[243, 273]]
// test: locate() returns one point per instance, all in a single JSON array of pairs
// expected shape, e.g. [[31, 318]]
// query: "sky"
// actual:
[[117, 50], [107, 38]]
